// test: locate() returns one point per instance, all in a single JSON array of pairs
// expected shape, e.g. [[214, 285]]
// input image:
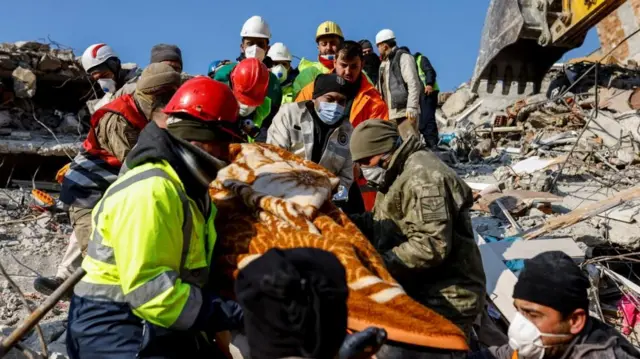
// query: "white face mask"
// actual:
[[107, 85], [246, 110], [526, 338], [254, 51], [281, 72]]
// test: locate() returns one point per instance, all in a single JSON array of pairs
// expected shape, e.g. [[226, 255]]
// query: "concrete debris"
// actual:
[[24, 82], [43, 92], [560, 167], [458, 101]]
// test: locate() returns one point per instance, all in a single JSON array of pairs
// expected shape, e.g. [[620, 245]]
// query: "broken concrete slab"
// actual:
[[24, 82], [43, 147], [500, 282], [49, 63], [528, 249], [606, 128], [457, 102]]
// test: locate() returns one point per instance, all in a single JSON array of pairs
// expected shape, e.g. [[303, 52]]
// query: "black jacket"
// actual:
[[427, 68]]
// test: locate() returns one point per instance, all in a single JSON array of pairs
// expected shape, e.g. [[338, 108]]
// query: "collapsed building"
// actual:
[[43, 116], [557, 170]]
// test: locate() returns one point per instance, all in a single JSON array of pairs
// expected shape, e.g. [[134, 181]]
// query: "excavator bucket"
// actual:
[[516, 49]]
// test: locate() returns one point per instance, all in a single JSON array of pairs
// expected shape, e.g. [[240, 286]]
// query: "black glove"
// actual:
[[217, 315], [396, 267], [363, 344]]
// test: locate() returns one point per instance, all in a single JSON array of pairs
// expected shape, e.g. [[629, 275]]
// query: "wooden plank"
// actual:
[[584, 212], [529, 249], [500, 282]]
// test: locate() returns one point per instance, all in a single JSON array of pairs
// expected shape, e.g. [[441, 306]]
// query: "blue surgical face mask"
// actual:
[[330, 112]]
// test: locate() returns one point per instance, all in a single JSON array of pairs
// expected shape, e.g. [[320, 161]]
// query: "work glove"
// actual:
[[412, 115], [363, 344], [217, 315]]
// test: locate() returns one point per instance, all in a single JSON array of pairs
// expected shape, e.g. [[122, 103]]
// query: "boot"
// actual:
[[47, 285]]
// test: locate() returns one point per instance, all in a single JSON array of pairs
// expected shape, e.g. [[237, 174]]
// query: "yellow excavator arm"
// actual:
[[522, 39]]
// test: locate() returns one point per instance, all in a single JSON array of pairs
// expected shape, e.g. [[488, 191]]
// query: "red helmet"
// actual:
[[250, 81], [204, 99]]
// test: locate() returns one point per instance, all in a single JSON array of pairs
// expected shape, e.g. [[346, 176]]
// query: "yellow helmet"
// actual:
[[329, 28]]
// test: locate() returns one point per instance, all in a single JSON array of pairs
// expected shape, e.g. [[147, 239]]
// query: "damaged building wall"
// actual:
[[617, 26], [43, 113]]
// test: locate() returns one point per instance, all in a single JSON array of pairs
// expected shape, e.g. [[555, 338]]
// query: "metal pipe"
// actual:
[[9, 342]]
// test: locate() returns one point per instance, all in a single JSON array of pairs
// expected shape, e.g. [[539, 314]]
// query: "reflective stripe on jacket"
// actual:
[[367, 104], [151, 248], [308, 72], [287, 94], [94, 169], [86, 180], [423, 76]]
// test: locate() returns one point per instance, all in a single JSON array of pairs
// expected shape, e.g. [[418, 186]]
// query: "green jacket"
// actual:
[[268, 108], [422, 228], [223, 75]]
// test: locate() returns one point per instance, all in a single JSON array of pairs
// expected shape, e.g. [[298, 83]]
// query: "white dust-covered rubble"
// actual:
[[31, 242]]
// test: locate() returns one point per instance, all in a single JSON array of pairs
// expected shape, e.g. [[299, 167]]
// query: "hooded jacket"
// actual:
[[596, 341], [422, 228]]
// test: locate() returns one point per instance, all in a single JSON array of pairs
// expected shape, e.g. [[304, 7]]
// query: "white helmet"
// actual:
[[95, 55], [279, 52], [256, 27], [385, 35]]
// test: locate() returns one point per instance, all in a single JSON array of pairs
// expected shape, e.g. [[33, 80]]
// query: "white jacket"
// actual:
[[292, 129]]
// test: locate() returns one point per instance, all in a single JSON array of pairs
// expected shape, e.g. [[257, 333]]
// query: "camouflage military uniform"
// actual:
[[421, 226]]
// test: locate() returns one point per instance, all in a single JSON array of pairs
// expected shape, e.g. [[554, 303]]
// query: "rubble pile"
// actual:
[[555, 171], [32, 241], [43, 91]]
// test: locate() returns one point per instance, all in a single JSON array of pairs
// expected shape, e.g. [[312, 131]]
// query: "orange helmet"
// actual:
[[204, 99], [250, 81]]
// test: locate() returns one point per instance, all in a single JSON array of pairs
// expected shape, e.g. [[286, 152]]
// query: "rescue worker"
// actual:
[[255, 35], [317, 130], [305, 321], [428, 126], [363, 102], [114, 131], [167, 54], [399, 83], [420, 223], [161, 53], [215, 65], [553, 318], [145, 293], [102, 63], [103, 66], [329, 39], [283, 70], [249, 81], [371, 61]]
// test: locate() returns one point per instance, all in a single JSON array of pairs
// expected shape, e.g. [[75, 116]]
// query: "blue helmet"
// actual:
[[215, 65]]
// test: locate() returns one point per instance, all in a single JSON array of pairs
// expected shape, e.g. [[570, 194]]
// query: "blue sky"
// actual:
[[447, 31]]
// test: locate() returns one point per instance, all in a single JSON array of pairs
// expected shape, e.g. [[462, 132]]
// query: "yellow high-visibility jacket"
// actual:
[[151, 247]]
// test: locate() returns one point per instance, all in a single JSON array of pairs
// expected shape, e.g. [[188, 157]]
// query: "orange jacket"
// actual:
[[368, 103]]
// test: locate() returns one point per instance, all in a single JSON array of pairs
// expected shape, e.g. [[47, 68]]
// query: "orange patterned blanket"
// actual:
[[268, 198]]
